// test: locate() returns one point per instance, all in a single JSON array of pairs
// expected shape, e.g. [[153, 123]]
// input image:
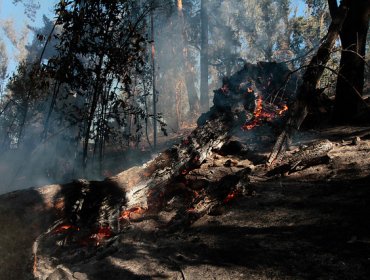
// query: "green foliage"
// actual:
[[91, 89], [101, 47]]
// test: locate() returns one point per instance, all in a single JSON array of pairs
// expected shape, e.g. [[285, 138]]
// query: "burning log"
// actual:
[[247, 95], [93, 213], [171, 191]]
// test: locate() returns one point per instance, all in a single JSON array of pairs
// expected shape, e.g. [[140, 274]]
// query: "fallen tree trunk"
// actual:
[[169, 190], [172, 191], [146, 186], [299, 110]]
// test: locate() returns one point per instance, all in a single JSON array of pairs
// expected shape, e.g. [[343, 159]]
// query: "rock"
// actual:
[[80, 276], [356, 140], [60, 274]]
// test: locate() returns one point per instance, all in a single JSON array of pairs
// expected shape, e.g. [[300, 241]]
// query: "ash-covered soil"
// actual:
[[310, 224], [282, 230]]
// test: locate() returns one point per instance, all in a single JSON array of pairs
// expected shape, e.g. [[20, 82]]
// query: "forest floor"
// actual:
[[311, 224]]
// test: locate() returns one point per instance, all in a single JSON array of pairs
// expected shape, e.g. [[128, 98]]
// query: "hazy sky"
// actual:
[[16, 13]]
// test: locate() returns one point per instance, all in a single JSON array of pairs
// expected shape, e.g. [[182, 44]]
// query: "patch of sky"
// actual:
[[14, 18]]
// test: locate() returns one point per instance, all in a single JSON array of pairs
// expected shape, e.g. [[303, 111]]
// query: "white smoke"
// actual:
[[18, 40]]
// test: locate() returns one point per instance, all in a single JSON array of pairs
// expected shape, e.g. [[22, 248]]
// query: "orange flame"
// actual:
[[260, 114], [257, 113], [179, 5]]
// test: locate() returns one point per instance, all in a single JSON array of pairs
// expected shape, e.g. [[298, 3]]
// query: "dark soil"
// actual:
[[313, 224], [283, 230]]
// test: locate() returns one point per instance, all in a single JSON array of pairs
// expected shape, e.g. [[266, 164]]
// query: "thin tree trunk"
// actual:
[[51, 108], [153, 84], [204, 98], [98, 90], [178, 93], [190, 87], [188, 67], [93, 106]]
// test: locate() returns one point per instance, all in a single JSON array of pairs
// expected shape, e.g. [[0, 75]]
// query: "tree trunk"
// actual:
[[204, 99], [350, 81], [299, 109], [190, 88], [188, 67], [153, 83]]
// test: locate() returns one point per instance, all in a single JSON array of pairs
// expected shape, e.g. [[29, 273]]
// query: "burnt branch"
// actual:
[[306, 157]]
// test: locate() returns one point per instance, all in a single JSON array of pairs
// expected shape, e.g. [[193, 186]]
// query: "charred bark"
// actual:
[[306, 157], [350, 82], [91, 213], [187, 181]]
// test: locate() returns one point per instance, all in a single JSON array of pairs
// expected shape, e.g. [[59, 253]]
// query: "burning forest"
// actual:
[[188, 140]]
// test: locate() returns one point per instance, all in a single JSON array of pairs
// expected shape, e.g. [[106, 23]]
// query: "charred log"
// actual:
[[187, 181], [268, 85], [314, 154], [166, 190]]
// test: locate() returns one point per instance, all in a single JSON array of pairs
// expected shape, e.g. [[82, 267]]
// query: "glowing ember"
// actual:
[[64, 228], [97, 237], [126, 214], [282, 110], [103, 232], [230, 196]]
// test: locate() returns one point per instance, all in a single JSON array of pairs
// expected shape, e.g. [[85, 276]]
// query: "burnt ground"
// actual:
[[282, 231], [312, 224]]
